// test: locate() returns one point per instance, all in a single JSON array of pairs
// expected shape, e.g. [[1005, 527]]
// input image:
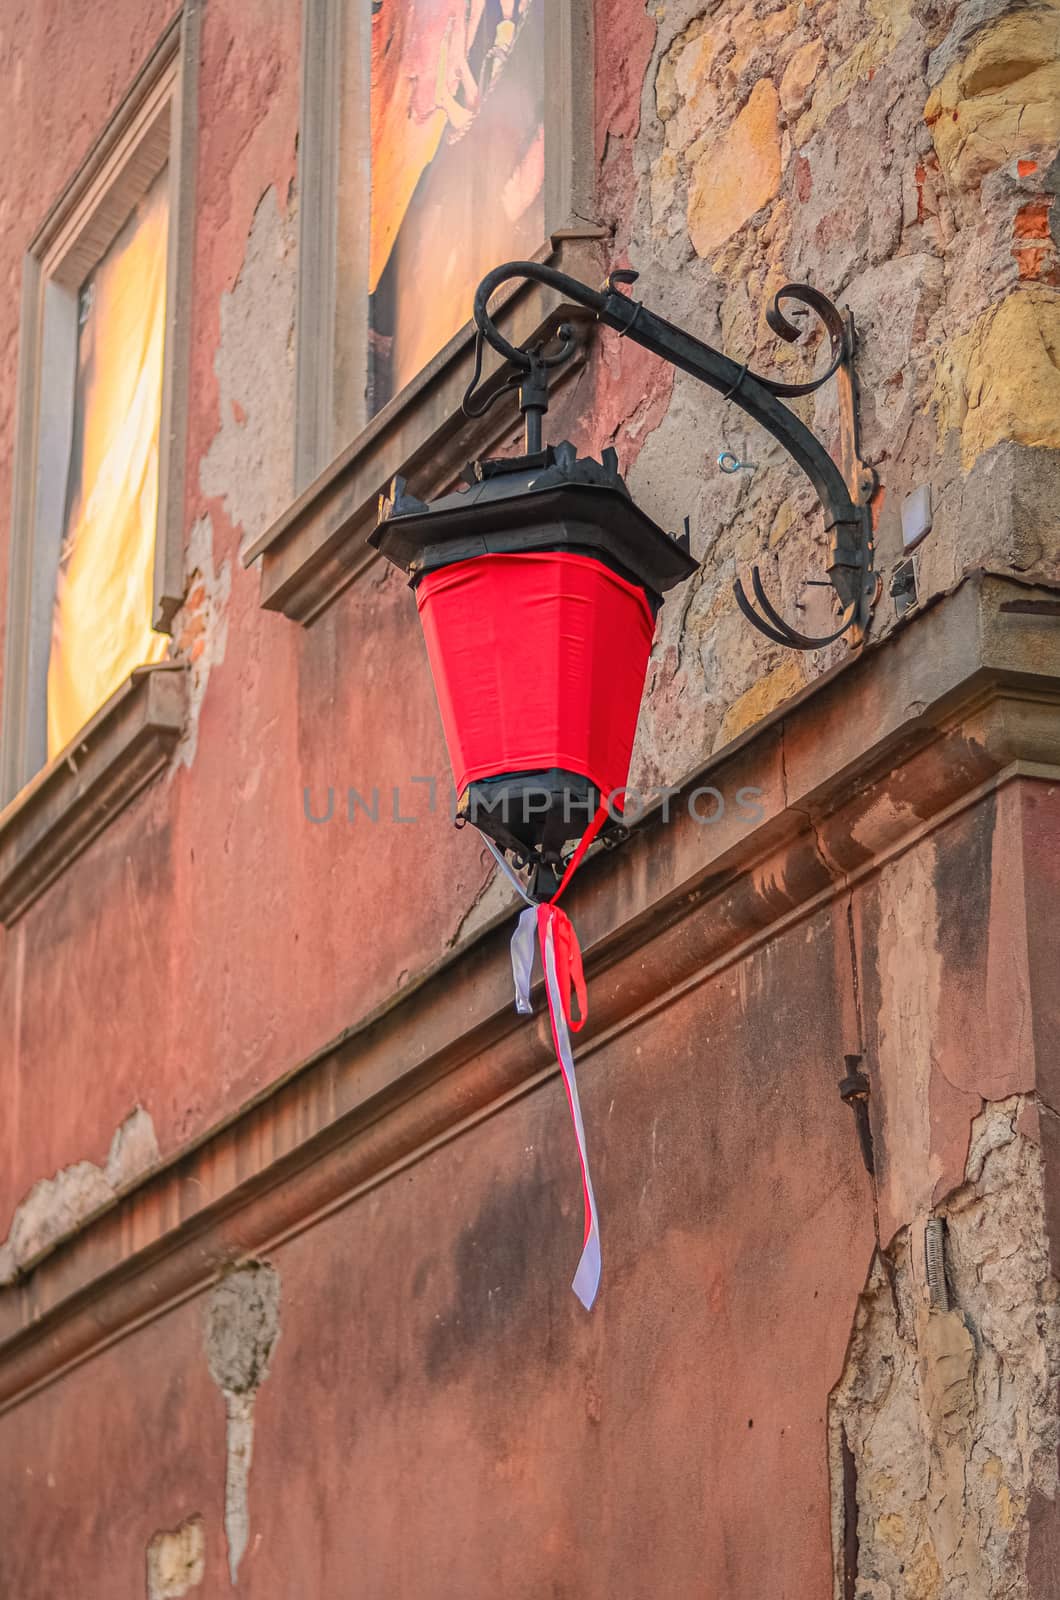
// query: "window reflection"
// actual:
[[457, 159], [103, 604]]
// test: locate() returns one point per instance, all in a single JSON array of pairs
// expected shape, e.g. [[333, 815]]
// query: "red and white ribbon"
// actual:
[[549, 928]]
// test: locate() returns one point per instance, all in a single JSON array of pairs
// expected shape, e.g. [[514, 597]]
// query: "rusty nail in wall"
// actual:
[[854, 1091]]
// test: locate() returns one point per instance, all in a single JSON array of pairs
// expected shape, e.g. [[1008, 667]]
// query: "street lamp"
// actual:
[[538, 585]]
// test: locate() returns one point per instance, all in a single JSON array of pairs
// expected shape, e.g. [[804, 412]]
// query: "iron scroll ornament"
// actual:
[[844, 492]]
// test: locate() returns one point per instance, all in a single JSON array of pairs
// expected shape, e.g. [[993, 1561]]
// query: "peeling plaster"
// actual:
[[951, 1415], [176, 1561], [200, 630], [250, 463], [242, 1327], [58, 1206]]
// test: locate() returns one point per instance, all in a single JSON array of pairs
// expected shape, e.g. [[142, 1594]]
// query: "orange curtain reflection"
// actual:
[[411, 42], [102, 619], [457, 166]]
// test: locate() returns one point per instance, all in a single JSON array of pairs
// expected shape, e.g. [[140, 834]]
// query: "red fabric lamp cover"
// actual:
[[538, 661]]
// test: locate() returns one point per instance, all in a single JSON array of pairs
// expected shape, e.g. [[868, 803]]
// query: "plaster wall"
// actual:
[[222, 934], [904, 158], [428, 1411]]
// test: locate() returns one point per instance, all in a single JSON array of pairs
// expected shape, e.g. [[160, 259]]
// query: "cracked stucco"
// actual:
[[494, 896]]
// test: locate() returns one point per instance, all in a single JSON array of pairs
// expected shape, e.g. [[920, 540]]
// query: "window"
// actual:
[[97, 521], [101, 618], [457, 167], [439, 138]]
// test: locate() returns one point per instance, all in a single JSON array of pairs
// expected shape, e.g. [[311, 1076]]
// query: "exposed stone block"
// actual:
[[947, 1416], [1001, 100], [176, 1561], [1001, 379], [242, 1327], [738, 175]]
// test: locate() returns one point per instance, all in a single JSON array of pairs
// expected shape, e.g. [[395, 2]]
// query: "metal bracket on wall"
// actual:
[[845, 489], [854, 1091], [851, 546]]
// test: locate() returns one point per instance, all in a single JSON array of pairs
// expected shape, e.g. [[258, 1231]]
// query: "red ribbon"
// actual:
[[569, 970]]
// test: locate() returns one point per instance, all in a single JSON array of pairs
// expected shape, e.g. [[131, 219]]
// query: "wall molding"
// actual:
[[60, 811], [953, 705]]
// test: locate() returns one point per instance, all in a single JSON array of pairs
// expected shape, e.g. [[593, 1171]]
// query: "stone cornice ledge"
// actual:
[[864, 761], [59, 813]]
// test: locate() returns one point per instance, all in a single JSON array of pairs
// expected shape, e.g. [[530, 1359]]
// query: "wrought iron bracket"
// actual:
[[844, 488]]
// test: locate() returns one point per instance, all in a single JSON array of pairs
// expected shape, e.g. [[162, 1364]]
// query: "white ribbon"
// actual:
[[524, 942], [587, 1278]]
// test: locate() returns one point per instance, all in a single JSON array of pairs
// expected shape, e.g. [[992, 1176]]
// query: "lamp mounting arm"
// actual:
[[844, 492]]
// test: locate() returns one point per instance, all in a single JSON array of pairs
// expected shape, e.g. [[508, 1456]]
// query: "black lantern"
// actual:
[[538, 586]]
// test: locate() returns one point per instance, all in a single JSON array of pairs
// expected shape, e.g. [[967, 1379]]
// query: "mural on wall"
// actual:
[[101, 625], [458, 163]]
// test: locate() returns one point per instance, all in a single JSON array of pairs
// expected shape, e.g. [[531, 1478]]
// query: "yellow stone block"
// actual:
[[1001, 379], [1001, 100], [1009, 1508], [737, 173], [761, 698], [781, 523], [800, 75], [924, 1575], [890, 1529]]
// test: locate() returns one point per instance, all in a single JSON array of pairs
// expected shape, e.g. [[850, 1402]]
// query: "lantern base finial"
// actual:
[[534, 815]]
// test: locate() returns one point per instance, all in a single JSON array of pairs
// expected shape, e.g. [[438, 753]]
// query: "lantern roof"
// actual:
[[552, 500]]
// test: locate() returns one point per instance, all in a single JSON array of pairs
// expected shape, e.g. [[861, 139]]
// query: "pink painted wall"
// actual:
[[211, 937], [439, 1417], [453, 1423]]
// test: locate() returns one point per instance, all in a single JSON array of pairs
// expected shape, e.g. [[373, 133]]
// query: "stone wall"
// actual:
[[903, 158], [944, 1425]]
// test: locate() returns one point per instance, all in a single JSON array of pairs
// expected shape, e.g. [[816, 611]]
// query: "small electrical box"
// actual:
[[916, 516]]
